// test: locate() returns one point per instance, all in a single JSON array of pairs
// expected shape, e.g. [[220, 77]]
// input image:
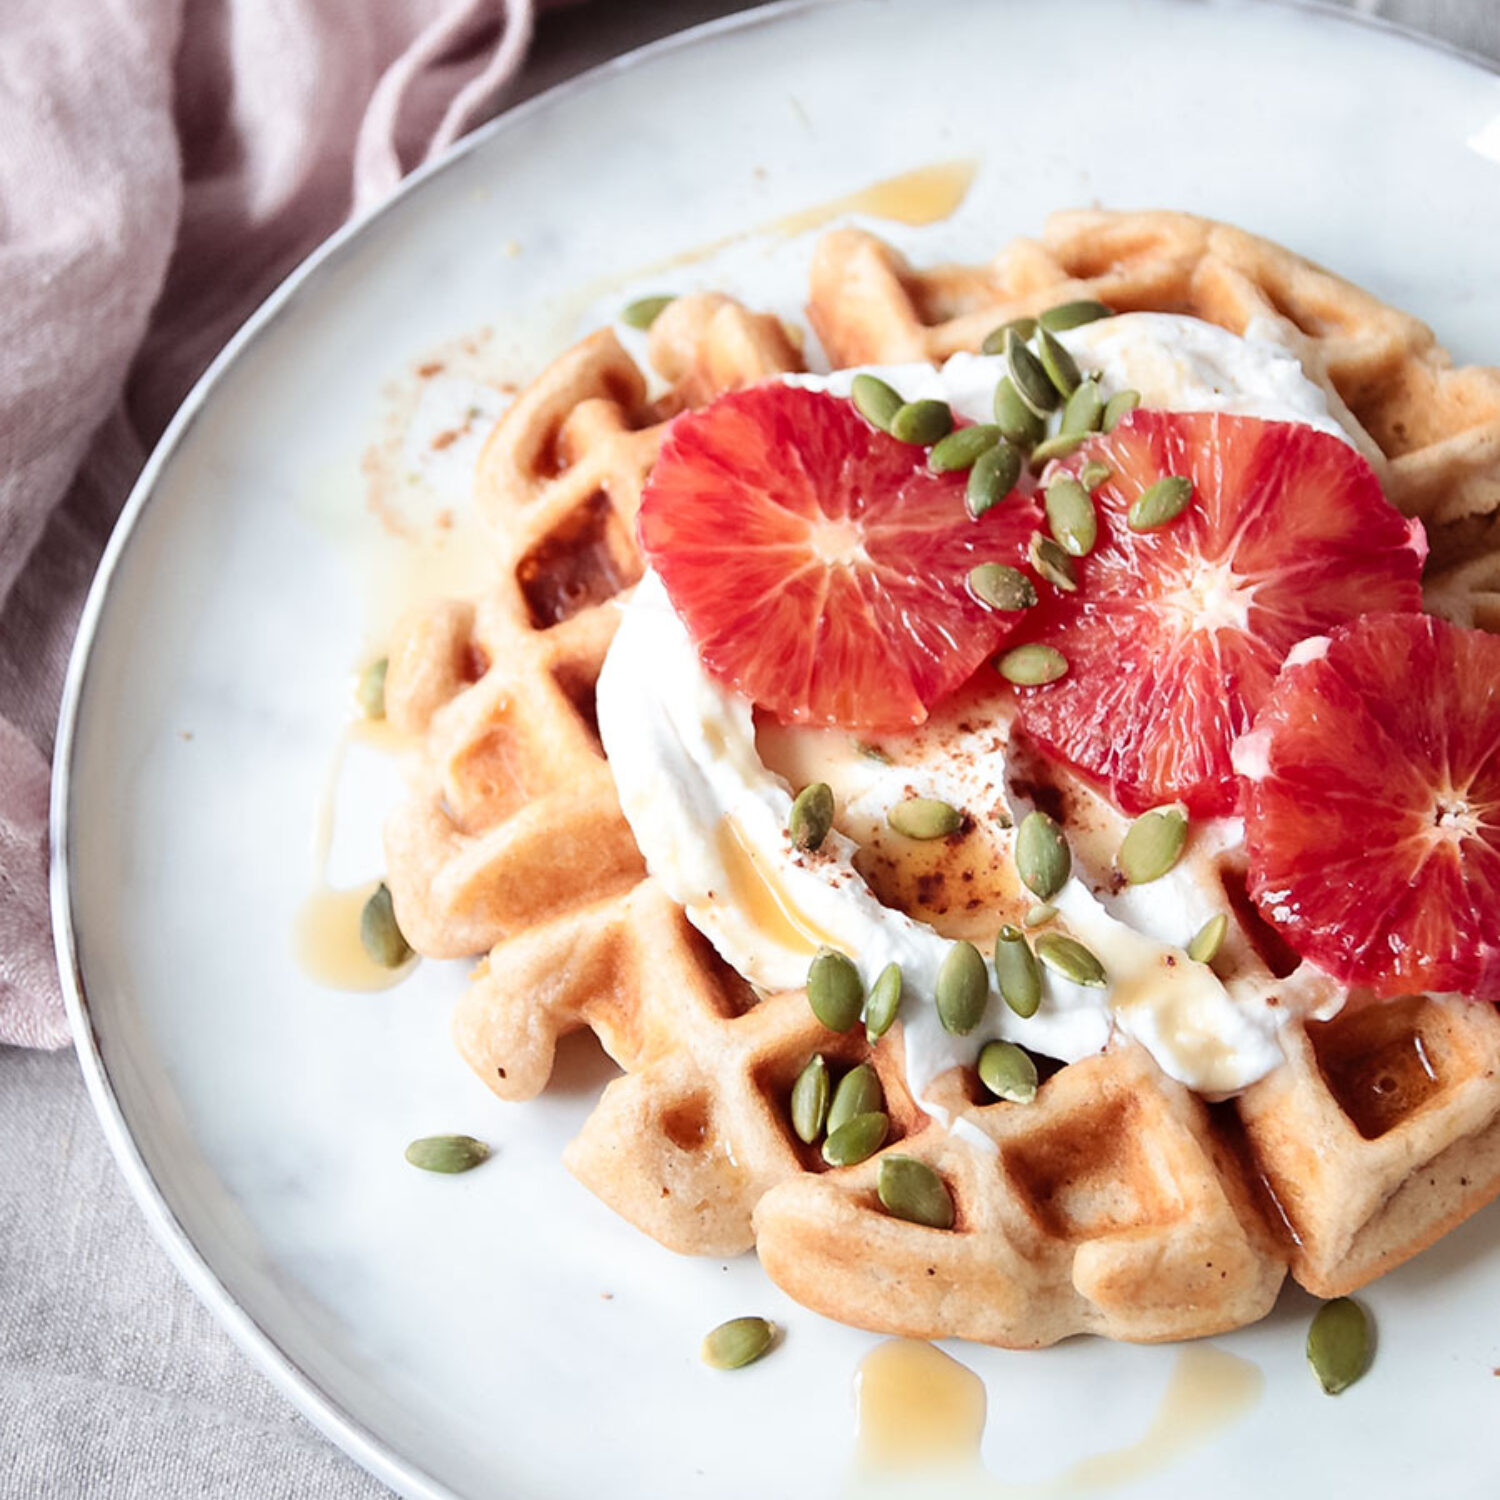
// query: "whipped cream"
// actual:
[[709, 811]]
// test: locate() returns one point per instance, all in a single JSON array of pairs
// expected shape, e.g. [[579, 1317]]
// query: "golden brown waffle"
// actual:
[[1115, 1203]]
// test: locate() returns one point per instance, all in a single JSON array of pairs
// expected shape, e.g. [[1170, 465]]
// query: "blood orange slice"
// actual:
[[819, 565], [1175, 634], [1372, 807]]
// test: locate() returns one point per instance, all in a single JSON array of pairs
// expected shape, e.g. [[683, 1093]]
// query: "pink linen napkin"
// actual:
[[163, 164]]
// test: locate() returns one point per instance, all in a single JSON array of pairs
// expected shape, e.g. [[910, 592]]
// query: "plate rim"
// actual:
[[367, 1448]]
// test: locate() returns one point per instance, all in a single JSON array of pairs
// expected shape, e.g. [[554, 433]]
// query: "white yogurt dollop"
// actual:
[[710, 817]]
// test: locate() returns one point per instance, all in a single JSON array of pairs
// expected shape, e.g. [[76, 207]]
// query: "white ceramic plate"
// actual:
[[453, 1333]]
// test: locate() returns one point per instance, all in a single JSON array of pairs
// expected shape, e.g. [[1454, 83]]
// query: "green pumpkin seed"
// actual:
[[1068, 957], [962, 447], [858, 1093], [1159, 503], [1118, 407], [1062, 369], [1071, 516], [1074, 315], [1208, 939], [834, 990], [811, 817], [1042, 855], [871, 751], [962, 990], [909, 1189], [1052, 563], [992, 478], [884, 1002], [1338, 1344], [447, 1153], [1007, 1072], [370, 694], [1032, 664], [1039, 916], [1060, 445], [924, 818], [1084, 410], [810, 1100], [1029, 378], [857, 1139], [1152, 845], [1016, 972], [1002, 587], [737, 1343], [379, 933], [994, 340], [875, 401], [644, 311], [1093, 474], [922, 422], [1014, 418]]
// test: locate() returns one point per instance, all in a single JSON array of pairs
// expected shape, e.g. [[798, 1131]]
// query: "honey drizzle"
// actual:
[[754, 891], [922, 1415]]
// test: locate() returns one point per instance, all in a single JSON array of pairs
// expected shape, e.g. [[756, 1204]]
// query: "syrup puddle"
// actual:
[[325, 933], [922, 1417]]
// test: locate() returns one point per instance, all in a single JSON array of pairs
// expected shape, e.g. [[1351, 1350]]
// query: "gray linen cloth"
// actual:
[[115, 1384]]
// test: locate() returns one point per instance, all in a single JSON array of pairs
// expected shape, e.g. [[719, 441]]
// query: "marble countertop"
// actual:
[[114, 1381]]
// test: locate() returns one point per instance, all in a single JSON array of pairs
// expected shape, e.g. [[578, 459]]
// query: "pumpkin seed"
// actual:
[[875, 401], [994, 340], [834, 990], [884, 1002], [370, 694], [810, 1099], [1052, 563], [1159, 503], [1032, 664], [1007, 1072], [992, 478], [1016, 972], [858, 1093], [1118, 407], [857, 1139], [1068, 957], [1062, 369], [1042, 855], [962, 447], [962, 990], [922, 422], [924, 818], [1074, 315], [1152, 845], [447, 1153], [1093, 474], [1338, 1344], [1040, 915], [737, 1343], [811, 817], [1071, 516], [379, 933], [1002, 587], [1030, 379], [1208, 939], [1019, 424], [871, 751], [1059, 445], [644, 311], [1084, 409], [909, 1189]]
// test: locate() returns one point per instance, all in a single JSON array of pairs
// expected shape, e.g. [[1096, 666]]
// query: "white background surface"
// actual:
[[112, 1380]]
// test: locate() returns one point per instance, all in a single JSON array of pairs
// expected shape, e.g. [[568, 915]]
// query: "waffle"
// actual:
[[1117, 1203]]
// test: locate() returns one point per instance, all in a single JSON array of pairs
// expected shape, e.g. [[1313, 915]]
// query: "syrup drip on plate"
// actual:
[[922, 1418]]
